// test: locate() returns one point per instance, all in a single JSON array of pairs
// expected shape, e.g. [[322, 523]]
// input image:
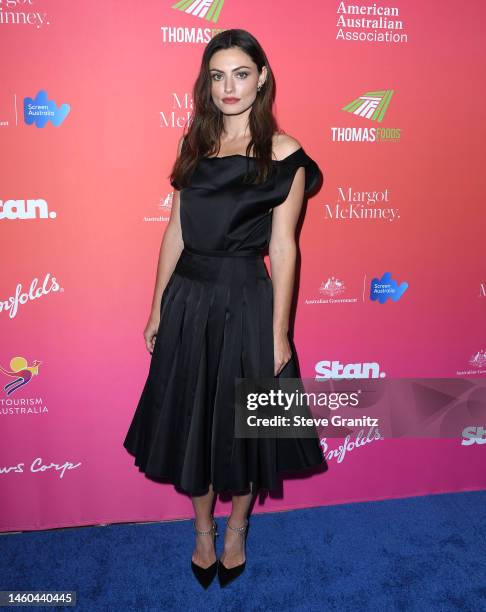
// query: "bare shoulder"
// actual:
[[284, 145]]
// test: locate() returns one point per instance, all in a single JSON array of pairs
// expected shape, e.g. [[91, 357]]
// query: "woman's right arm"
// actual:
[[169, 253]]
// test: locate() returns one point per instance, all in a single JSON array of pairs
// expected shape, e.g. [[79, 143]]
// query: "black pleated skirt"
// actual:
[[215, 325]]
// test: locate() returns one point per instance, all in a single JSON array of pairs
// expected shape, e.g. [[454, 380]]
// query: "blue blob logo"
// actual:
[[40, 110], [384, 288]]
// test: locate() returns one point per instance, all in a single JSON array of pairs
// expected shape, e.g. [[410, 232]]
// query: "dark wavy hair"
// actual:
[[202, 138]]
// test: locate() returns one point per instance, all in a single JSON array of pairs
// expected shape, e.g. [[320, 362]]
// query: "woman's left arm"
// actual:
[[282, 250]]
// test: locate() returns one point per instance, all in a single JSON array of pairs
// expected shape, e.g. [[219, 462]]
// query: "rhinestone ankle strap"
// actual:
[[208, 531], [241, 529]]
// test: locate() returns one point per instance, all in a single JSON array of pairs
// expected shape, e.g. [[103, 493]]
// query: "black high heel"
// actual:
[[225, 574], [205, 575]]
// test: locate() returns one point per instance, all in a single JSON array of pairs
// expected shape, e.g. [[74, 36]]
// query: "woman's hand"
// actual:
[[281, 351], [150, 331]]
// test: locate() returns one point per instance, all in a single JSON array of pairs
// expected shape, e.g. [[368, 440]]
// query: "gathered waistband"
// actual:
[[234, 268], [215, 253]]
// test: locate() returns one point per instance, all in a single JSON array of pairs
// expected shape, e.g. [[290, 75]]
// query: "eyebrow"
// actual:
[[217, 69]]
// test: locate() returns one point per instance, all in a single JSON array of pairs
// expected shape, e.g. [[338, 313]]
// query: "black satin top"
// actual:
[[219, 212]]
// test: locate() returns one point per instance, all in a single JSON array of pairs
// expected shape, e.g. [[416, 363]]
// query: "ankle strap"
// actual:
[[207, 531], [238, 529]]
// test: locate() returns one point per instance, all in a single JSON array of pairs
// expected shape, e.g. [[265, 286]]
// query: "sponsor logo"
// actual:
[[38, 466], [477, 361], [331, 287], [370, 23], [26, 209], [21, 297], [20, 372], [204, 9], [350, 443], [24, 14], [39, 111], [385, 288], [331, 291], [371, 106], [351, 204], [179, 112], [165, 206], [335, 369], [473, 435]]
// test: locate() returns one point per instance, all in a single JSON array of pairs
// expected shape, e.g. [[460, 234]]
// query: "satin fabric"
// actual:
[[219, 212], [215, 325]]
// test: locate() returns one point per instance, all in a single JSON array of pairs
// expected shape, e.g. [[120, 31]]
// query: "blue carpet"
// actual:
[[421, 553]]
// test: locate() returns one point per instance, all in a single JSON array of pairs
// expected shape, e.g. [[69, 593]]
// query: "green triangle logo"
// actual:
[[204, 9], [370, 105]]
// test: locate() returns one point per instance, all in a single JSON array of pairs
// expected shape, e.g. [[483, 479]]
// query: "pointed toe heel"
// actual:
[[205, 575], [225, 574]]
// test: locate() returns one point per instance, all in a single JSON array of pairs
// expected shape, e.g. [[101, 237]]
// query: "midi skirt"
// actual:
[[216, 324]]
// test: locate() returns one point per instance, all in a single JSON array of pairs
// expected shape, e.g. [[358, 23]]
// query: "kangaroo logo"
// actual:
[[21, 372]]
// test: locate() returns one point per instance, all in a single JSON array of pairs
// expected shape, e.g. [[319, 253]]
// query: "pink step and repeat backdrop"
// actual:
[[386, 96]]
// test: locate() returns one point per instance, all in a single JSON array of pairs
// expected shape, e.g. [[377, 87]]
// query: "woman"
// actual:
[[216, 314]]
